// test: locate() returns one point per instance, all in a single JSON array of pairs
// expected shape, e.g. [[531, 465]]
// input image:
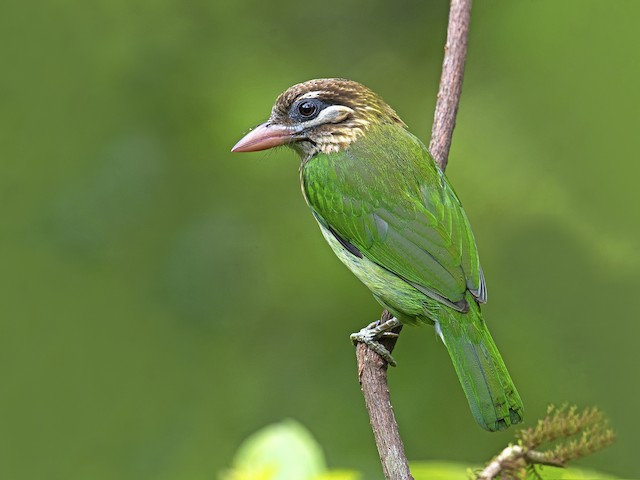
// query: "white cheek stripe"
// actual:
[[332, 114]]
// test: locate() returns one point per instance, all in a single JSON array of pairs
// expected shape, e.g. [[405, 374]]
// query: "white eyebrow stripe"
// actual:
[[314, 94]]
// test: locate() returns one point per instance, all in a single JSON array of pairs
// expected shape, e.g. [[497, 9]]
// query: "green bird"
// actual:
[[391, 216]]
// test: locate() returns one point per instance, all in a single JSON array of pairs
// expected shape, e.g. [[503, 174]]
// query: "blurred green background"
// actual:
[[162, 299]]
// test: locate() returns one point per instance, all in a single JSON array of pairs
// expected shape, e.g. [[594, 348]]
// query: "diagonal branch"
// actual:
[[372, 369], [372, 373], [514, 457], [455, 54]]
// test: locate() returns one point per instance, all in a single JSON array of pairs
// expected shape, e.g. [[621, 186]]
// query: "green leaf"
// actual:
[[553, 473], [439, 470], [339, 475], [282, 451]]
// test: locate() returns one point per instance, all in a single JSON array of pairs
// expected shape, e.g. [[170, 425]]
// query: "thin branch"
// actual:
[[515, 457], [455, 54], [372, 369], [510, 454], [372, 374], [568, 434]]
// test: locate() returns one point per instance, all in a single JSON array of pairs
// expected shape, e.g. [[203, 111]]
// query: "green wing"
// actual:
[[385, 196]]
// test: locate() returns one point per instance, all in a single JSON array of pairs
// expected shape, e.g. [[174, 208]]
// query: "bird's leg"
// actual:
[[374, 332]]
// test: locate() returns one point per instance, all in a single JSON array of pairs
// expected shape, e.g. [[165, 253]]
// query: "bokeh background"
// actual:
[[162, 298]]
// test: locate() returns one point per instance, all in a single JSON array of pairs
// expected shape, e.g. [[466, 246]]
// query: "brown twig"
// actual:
[[372, 369], [455, 54], [372, 373], [563, 435], [514, 457]]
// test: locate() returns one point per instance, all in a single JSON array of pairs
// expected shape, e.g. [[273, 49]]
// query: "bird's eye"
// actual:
[[307, 109]]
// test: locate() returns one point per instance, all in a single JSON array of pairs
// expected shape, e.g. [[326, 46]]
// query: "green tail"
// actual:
[[492, 396]]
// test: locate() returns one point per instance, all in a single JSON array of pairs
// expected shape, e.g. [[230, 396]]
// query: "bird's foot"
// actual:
[[374, 332]]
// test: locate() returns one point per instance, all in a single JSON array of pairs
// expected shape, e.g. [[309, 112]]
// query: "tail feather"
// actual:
[[492, 396]]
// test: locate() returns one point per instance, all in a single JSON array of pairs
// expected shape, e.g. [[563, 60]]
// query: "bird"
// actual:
[[391, 216]]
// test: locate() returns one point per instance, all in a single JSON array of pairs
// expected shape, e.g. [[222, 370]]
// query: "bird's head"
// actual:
[[323, 115]]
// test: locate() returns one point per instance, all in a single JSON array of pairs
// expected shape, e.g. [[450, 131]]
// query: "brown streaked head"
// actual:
[[323, 115]]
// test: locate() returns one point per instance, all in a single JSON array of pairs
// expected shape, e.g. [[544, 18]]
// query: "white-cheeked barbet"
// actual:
[[391, 216]]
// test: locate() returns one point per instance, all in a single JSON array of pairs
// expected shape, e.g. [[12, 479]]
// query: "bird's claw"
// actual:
[[374, 332]]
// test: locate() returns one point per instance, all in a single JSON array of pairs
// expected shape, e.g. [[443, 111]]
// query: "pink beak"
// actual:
[[263, 137]]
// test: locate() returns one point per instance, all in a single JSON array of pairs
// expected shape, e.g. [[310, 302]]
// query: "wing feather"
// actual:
[[397, 208]]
